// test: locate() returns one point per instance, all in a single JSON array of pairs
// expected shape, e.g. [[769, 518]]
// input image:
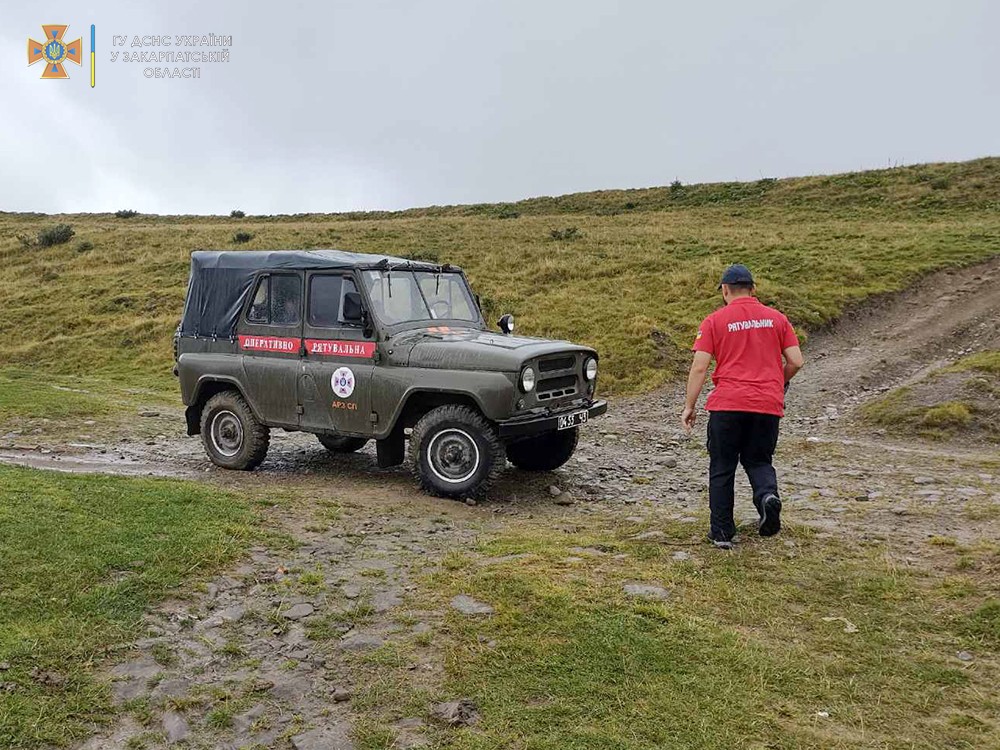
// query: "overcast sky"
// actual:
[[331, 105]]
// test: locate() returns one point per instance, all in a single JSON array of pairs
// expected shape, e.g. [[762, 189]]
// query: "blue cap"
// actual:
[[737, 274]]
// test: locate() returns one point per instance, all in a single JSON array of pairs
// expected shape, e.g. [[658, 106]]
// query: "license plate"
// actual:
[[572, 420]]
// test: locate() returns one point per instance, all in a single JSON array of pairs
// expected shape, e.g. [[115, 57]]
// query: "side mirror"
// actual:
[[506, 324], [352, 308]]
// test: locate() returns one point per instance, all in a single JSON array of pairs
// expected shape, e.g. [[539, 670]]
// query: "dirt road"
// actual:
[[255, 632]]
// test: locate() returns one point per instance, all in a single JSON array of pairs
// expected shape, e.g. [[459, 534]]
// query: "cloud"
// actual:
[[373, 104]]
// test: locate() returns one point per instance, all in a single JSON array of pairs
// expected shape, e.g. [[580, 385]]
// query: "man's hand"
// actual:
[[688, 417], [696, 381]]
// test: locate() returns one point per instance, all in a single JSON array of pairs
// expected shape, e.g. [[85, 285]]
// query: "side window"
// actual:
[[286, 300], [326, 300], [277, 301], [258, 308]]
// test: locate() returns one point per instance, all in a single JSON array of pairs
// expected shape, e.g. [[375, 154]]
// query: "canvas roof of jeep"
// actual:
[[221, 280]]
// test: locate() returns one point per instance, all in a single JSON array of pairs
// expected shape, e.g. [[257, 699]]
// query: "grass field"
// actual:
[[81, 558], [740, 653], [813, 645], [633, 274]]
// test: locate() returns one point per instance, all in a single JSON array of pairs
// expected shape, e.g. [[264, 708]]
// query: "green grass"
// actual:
[[23, 394], [81, 557], [634, 279], [738, 656], [988, 362], [949, 415], [931, 408]]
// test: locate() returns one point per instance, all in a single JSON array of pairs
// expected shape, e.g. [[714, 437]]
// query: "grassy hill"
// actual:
[[629, 271]]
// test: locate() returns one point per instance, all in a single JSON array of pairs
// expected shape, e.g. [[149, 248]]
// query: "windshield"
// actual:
[[405, 296]]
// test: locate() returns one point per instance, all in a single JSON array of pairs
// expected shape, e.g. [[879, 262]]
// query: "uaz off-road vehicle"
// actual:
[[353, 347]]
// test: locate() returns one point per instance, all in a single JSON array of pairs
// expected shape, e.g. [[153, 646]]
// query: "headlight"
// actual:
[[590, 369], [527, 380]]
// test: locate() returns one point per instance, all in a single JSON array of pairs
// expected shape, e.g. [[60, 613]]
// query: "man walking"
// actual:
[[756, 355]]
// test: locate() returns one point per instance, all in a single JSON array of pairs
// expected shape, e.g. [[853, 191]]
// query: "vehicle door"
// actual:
[[335, 388], [270, 338]]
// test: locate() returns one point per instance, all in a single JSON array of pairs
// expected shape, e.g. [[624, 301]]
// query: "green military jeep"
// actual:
[[353, 347]]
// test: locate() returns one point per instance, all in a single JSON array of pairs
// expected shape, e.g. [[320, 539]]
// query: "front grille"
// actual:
[[556, 387], [555, 363]]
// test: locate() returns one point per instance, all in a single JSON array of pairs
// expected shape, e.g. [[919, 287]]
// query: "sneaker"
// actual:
[[770, 516], [720, 542]]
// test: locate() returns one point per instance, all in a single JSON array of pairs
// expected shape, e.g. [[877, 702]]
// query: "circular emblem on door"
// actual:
[[343, 382]]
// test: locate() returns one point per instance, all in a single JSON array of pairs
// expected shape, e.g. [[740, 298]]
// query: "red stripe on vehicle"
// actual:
[[270, 344], [328, 348]]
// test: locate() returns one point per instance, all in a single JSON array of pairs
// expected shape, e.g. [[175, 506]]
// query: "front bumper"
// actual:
[[535, 424]]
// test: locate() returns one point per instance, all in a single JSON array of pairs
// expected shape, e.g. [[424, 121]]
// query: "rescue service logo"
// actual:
[[155, 55], [55, 51], [342, 381]]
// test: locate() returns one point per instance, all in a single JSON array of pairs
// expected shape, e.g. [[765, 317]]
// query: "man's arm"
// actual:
[[696, 381], [793, 362]]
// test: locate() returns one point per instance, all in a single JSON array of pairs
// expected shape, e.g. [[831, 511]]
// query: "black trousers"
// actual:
[[739, 437]]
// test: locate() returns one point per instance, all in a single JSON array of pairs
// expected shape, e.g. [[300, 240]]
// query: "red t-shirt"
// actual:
[[747, 338]]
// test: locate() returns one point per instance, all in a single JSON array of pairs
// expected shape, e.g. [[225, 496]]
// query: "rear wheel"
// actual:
[[544, 452], [456, 452], [342, 443], [233, 437]]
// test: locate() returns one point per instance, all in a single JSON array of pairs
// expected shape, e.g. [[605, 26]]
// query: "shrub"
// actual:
[[56, 235], [126, 213], [236, 214], [241, 237], [508, 213], [940, 183], [84, 246], [676, 187], [569, 233], [950, 414]]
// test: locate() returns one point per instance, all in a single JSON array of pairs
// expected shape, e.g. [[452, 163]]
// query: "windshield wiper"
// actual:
[[427, 307]]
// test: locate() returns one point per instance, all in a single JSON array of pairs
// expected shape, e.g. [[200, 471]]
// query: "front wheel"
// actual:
[[456, 452], [544, 452], [342, 443], [233, 437]]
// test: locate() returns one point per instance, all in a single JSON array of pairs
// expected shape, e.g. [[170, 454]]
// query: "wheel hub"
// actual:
[[453, 456], [227, 433]]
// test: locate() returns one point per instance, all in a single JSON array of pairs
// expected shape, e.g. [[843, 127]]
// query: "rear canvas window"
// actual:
[[277, 301]]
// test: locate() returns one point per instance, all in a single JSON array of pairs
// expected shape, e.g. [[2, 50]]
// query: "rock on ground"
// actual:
[[646, 591], [175, 727], [469, 606], [335, 737], [460, 712]]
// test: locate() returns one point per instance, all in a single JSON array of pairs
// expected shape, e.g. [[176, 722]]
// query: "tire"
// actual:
[[342, 443], [456, 452], [233, 437], [544, 452]]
